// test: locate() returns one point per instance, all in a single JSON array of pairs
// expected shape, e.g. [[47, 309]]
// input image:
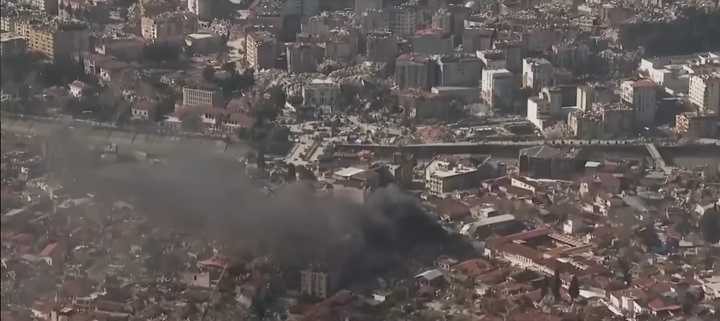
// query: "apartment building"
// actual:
[[459, 70], [169, 27], [448, 173], [641, 95], [381, 46], [260, 50], [405, 19], [205, 95], [321, 92], [301, 57], [12, 45], [316, 282], [55, 38], [537, 73], [497, 87], [415, 71], [704, 91], [201, 8], [373, 20], [697, 124]]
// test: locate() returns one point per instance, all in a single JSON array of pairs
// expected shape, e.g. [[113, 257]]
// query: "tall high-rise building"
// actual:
[[202, 8], [260, 50], [415, 71], [300, 57], [381, 46], [641, 95], [704, 91]]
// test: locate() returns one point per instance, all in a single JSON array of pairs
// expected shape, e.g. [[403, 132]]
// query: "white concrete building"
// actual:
[[537, 73], [585, 98], [202, 8], [641, 95], [704, 91], [497, 87], [321, 92]]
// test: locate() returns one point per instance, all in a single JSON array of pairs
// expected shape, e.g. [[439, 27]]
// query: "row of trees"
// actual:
[[553, 285]]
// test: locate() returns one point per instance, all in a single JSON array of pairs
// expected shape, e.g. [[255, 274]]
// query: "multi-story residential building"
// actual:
[[443, 20], [459, 70], [415, 71], [585, 125], [641, 95], [476, 39], [301, 57], [205, 95], [260, 50], [497, 87], [704, 91], [201, 8], [617, 119], [168, 28], [316, 282], [381, 46], [321, 92], [373, 20], [12, 45], [404, 20], [432, 42], [55, 38], [448, 173], [547, 162], [537, 73], [694, 124]]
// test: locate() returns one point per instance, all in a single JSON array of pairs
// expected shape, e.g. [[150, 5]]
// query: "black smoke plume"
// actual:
[[295, 224]]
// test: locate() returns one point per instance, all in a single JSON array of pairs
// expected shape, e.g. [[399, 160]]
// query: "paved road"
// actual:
[[565, 142], [126, 141]]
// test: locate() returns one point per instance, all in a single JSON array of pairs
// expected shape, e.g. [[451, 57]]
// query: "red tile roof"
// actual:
[[51, 249]]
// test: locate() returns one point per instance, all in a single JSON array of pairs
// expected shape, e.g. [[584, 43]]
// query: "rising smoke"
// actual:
[[295, 225]]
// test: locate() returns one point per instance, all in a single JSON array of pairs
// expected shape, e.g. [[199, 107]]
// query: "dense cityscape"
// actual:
[[360, 160]]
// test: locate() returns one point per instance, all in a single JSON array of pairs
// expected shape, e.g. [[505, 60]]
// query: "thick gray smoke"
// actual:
[[295, 224]]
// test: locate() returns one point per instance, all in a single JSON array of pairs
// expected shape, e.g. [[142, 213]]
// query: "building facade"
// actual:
[[704, 91], [381, 46], [537, 73], [57, 39], [168, 28], [300, 57], [497, 87], [321, 92], [697, 125], [415, 71], [641, 95], [201, 8], [260, 50], [12, 45], [203, 96], [459, 70], [432, 42]]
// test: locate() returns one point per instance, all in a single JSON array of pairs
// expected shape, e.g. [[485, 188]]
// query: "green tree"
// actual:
[[556, 285], [710, 225], [208, 73], [574, 289]]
